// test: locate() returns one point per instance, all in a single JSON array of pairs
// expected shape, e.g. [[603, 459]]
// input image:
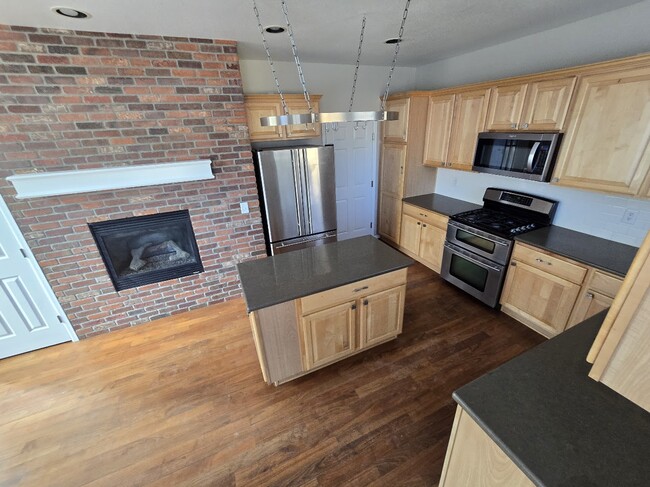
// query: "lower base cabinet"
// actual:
[[297, 337], [549, 293], [422, 236], [474, 459]]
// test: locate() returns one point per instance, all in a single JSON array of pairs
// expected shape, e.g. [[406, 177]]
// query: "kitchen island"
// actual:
[[315, 306], [544, 422]]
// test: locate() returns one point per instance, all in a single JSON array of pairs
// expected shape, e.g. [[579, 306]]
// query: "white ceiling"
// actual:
[[326, 31]]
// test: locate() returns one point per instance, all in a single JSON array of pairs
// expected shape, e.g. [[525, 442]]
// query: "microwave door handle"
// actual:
[[531, 156]]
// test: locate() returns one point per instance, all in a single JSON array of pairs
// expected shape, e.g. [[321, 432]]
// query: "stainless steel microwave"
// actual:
[[519, 155]]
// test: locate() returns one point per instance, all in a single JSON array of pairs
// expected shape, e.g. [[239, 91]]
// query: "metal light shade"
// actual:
[[332, 117]]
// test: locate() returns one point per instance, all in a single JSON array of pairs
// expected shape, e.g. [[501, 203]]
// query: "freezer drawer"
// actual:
[[303, 242]]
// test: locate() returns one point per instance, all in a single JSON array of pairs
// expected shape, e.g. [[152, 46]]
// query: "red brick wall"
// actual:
[[76, 100]]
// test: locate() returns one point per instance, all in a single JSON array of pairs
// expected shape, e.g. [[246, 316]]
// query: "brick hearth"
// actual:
[[78, 100]]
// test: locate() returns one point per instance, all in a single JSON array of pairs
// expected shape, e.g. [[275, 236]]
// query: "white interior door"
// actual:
[[30, 315], [356, 177]]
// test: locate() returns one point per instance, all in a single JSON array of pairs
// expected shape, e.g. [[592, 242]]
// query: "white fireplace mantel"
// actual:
[[56, 183]]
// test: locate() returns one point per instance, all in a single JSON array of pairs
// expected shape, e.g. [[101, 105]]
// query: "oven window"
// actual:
[[468, 272], [475, 241]]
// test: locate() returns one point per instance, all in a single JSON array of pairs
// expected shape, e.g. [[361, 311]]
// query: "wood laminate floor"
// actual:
[[181, 401]]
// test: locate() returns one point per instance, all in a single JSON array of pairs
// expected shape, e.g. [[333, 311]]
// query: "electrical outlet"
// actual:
[[630, 216], [244, 208]]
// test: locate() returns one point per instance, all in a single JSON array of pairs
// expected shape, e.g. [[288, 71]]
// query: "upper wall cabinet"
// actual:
[[606, 144], [258, 106], [470, 109], [538, 105], [396, 130], [439, 120]]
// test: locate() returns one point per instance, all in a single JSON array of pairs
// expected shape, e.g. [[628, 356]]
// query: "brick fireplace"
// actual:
[[76, 100]]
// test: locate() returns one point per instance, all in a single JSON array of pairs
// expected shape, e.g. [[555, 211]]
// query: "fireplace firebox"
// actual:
[[146, 249]]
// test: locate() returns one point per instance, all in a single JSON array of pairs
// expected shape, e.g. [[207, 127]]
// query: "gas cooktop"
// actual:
[[496, 222]]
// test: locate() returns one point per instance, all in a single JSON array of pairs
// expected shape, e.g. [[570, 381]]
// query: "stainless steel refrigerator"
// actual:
[[298, 196]]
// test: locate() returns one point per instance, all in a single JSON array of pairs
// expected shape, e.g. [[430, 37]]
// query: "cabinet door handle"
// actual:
[[590, 295], [354, 306], [365, 302], [360, 289], [419, 223], [424, 225], [513, 125], [513, 264], [525, 126]]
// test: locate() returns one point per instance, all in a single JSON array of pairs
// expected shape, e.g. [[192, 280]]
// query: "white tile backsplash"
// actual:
[[583, 211]]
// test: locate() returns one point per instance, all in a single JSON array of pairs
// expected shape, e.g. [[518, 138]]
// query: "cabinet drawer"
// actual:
[[435, 219], [548, 263], [350, 292], [605, 284]]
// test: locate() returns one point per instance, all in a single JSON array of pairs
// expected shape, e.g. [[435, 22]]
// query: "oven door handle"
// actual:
[[468, 257], [451, 224], [531, 156]]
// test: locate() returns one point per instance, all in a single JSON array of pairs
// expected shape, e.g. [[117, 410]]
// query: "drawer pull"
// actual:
[[424, 225], [590, 295], [419, 223], [542, 261], [513, 264], [354, 306], [365, 302], [360, 289]]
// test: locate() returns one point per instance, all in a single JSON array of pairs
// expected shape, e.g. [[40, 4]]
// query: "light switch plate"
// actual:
[[630, 216], [244, 208]]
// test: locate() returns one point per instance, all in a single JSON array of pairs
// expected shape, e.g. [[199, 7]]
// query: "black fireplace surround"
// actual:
[[146, 249]]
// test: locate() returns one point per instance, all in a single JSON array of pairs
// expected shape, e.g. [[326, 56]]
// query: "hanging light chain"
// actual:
[[294, 50], [268, 56], [397, 44], [356, 69]]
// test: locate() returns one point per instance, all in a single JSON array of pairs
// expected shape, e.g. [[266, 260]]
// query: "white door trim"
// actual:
[[13, 228]]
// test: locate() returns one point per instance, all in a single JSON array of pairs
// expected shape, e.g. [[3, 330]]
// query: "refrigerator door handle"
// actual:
[[303, 162], [297, 192]]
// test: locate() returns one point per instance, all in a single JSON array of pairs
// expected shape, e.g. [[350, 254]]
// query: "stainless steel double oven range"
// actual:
[[479, 242]]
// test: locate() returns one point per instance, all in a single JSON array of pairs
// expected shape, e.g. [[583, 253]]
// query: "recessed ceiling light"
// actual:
[[70, 13], [274, 29], [393, 40]]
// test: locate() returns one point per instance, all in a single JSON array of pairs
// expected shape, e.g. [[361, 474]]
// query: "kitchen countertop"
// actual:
[[598, 252], [292, 275], [440, 204], [558, 425]]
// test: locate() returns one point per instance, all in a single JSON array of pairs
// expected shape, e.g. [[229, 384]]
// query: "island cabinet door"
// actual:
[[329, 335], [381, 316]]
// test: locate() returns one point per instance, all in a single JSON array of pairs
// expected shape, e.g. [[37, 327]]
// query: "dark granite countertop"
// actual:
[[284, 277], [441, 204], [558, 425], [598, 252]]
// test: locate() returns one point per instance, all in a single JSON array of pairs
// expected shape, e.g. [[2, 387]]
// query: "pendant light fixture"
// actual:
[[327, 117]]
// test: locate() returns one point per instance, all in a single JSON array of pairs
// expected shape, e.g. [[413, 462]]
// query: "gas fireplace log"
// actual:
[[168, 250]]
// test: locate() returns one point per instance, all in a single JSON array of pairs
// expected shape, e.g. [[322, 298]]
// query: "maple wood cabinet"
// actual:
[[538, 105], [598, 294], [258, 106], [550, 293], [351, 318], [541, 289], [439, 121], [296, 337], [470, 108], [605, 147], [423, 235], [474, 459], [401, 171]]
